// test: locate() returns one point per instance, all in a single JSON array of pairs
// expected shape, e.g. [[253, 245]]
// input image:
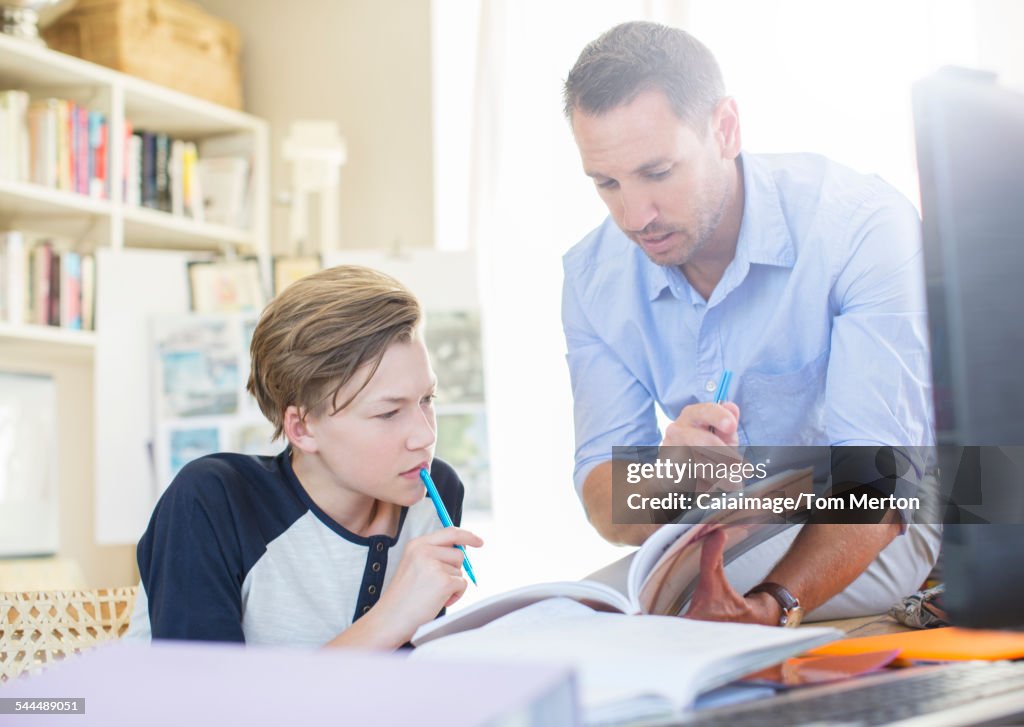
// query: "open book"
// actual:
[[629, 668], [658, 578]]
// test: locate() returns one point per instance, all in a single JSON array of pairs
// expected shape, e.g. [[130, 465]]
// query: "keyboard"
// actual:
[[971, 693]]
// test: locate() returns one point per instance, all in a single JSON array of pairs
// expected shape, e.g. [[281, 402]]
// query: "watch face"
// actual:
[[792, 617]]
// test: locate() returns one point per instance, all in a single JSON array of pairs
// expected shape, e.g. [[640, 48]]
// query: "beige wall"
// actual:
[[366, 65], [71, 369]]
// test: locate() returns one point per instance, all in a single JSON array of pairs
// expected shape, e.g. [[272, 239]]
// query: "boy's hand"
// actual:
[[429, 578]]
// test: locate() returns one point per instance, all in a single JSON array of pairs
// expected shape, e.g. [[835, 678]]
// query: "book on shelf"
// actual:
[[15, 277], [659, 577], [70, 290], [14, 143], [161, 171], [224, 182], [40, 262]]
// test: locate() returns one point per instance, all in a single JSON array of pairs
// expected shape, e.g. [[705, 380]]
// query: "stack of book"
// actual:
[[53, 142], [162, 173], [45, 284], [60, 144]]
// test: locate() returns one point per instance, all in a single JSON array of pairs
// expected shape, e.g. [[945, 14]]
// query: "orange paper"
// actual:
[[942, 644]]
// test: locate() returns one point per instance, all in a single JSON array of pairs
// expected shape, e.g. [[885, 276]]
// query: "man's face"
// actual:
[[665, 185]]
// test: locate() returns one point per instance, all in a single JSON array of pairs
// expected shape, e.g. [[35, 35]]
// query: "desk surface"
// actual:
[[194, 684], [865, 625]]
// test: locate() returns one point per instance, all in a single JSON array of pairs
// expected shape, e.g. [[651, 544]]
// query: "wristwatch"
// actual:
[[792, 613]]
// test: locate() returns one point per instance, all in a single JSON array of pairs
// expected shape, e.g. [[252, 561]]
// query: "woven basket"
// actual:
[[171, 42], [39, 627]]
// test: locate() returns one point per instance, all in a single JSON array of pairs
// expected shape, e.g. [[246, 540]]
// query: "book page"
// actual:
[[670, 582], [649, 554], [595, 595], [628, 660]]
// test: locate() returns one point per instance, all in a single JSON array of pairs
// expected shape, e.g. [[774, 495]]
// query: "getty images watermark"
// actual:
[[827, 484]]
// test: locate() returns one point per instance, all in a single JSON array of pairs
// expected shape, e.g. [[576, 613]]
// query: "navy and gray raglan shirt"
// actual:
[[237, 551]]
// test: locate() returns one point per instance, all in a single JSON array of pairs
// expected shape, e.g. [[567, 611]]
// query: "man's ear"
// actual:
[[725, 125], [298, 431]]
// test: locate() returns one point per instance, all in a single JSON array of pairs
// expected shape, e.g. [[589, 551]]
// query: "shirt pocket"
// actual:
[[785, 408]]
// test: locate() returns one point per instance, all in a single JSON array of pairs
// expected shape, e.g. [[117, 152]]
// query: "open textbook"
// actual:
[[659, 577], [628, 667]]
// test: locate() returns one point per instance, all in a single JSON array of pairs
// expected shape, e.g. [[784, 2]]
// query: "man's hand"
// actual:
[[715, 600], [698, 425], [822, 561], [704, 425]]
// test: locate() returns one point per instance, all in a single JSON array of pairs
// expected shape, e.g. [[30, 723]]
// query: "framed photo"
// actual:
[[289, 269], [225, 286]]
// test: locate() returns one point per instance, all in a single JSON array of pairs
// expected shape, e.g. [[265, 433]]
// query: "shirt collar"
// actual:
[[764, 235]]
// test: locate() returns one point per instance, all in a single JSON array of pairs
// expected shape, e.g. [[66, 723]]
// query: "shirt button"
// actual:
[[710, 385], [380, 547], [375, 567], [371, 590], [365, 609]]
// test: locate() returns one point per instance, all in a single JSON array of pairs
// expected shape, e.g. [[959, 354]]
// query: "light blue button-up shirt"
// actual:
[[820, 316]]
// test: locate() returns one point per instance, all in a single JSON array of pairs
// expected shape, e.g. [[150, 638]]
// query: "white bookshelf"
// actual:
[[112, 223], [112, 356]]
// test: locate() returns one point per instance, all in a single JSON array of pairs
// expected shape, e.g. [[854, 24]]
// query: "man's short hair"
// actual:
[[639, 56], [319, 331]]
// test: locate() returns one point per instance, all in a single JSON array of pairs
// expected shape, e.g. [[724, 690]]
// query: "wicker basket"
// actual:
[[39, 627], [170, 42]]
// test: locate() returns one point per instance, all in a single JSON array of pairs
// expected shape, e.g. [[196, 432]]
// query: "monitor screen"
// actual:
[[970, 155]]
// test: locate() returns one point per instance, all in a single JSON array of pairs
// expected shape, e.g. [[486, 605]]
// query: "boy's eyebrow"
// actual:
[[401, 399]]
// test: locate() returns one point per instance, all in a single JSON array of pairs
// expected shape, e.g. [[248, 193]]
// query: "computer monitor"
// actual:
[[970, 155]]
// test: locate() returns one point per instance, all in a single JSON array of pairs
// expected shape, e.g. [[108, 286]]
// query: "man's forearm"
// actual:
[[597, 499], [825, 558]]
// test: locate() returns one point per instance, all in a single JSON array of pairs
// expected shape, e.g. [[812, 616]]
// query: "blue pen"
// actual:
[[442, 513], [723, 386]]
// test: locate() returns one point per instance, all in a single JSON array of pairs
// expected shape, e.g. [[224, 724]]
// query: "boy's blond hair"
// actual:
[[313, 337]]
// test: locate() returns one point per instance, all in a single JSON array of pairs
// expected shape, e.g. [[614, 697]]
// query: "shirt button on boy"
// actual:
[[380, 547], [365, 609], [376, 567], [371, 590]]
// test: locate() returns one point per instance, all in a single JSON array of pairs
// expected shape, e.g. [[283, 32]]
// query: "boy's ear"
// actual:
[[297, 430]]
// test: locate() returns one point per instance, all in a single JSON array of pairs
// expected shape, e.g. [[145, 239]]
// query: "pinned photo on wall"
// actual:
[[453, 339], [197, 370]]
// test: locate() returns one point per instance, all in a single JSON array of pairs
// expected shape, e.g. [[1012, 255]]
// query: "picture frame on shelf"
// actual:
[[225, 286], [288, 269]]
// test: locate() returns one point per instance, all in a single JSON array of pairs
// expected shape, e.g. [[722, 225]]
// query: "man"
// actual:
[[801, 276]]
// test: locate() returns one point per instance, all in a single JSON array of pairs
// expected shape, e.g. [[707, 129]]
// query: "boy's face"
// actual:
[[377, 444]]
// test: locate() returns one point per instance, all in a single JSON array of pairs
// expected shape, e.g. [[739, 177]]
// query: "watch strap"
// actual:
[[786, 600]]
